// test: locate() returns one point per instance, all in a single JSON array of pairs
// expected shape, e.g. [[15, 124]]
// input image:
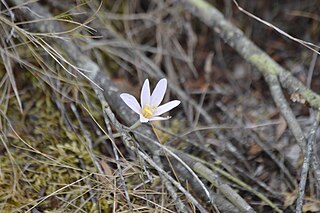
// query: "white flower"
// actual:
[[150, 109]]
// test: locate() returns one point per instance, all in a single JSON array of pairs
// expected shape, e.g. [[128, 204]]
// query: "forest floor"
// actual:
[[228, 146]]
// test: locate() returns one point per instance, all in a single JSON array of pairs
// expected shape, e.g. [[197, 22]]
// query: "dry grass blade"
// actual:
[[7, 32]]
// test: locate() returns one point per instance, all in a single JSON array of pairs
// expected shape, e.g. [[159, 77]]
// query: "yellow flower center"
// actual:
[[147, 111]]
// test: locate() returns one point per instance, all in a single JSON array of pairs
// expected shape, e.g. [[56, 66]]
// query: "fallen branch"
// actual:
[[306, 163], [234, 37]]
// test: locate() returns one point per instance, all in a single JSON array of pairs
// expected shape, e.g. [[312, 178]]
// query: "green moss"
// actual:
[[43, 157]]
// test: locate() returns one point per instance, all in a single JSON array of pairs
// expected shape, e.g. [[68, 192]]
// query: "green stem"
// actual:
[[135, 125]]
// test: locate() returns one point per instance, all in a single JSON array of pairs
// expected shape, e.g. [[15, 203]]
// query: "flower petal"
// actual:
[[131, 102], [145, 94], [158, 92], [159, 118], [166, 107], [143, 119]]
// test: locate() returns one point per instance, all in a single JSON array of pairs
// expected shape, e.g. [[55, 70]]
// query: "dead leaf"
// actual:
[[282, 126], [289, 198], [311, 207], [106, 168], [254, 150]]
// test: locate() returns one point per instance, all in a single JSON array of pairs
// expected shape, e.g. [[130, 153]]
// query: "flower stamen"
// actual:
[[147, 111]]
